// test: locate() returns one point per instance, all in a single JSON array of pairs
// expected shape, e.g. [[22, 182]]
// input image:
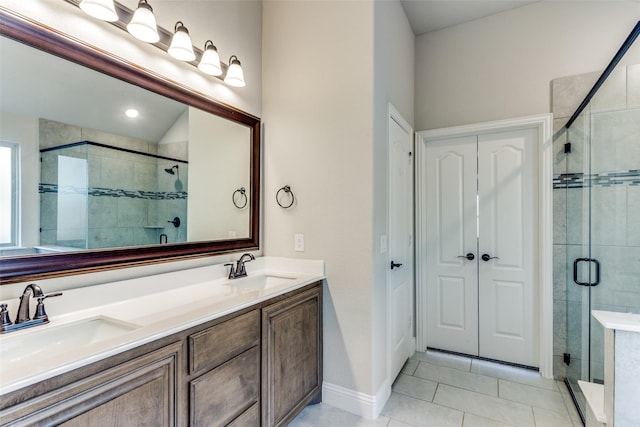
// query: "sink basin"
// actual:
[[52, 340], [261, 282]]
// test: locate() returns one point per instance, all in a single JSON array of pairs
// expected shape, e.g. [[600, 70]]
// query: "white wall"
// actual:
[[219, 151], [318, 133], [501, 66], [329, 70], [24, 130]]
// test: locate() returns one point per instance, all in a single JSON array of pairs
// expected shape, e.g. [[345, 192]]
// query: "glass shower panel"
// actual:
[[72, 200], [578, 215], [64, 198], [615, 235]]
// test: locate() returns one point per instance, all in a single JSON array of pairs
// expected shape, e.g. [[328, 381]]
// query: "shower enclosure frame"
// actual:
[[586, 270]]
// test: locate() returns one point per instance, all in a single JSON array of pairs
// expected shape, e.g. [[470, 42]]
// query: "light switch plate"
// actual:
[[298, 242]]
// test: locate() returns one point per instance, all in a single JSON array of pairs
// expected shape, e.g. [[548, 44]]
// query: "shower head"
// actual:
[[170, 170]]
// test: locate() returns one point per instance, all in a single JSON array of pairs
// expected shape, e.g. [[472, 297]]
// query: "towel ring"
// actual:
[[286, 189], [243, 193]]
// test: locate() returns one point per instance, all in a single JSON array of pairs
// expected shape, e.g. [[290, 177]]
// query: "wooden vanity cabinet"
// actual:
[[291, 356], [259, 366]]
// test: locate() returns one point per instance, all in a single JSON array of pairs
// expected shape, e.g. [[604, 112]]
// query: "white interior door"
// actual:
[[452, 290], [400, 267], [507, 195], [480, 223]]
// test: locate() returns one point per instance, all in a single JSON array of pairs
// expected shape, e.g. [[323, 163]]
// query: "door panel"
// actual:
[[452, 316], [507, 195], [451, 290]]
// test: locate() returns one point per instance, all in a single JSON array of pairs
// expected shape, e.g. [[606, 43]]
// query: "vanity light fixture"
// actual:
[[235, 75], [181, 47], [103, 10], [143, 24], [210, 61]]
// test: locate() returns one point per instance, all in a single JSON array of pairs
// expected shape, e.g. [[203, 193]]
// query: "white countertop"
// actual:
[[620, 321], [154, 307]]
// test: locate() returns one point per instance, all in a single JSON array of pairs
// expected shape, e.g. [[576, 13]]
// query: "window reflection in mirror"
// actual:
[[9, 185], [108, 180]]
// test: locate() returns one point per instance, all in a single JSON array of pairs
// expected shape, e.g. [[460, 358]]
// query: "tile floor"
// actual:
[[439, 390]]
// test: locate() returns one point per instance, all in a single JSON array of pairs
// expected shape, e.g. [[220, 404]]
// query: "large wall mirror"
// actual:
[[179, 180]]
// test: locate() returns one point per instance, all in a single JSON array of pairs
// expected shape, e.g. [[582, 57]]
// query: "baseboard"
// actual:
[[361, 404]]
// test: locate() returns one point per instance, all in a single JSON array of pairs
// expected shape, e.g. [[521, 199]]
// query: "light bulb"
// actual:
[[235, 75], [181, 47], [104, 10], [210, 61], [143, 23]]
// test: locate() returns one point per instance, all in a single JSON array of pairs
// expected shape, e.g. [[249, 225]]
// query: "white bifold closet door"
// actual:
[[482, 209]]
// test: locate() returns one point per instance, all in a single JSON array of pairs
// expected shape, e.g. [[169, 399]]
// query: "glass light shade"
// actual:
[[104, 10], [210, 61], [143, 24], [235, 75], [181, 47]]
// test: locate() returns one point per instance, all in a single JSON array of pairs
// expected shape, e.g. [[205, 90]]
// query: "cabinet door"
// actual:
[[291, 356], [141, 392]]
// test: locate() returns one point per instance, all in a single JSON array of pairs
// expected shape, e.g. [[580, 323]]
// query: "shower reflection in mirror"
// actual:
[[94, 195]]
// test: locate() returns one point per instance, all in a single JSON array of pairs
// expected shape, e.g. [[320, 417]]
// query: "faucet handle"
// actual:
[[40, 313], [232, 270], [4, 316]]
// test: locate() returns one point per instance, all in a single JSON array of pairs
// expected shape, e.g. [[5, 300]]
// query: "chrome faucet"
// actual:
[[23, 320], [240, 270], [23, 309]]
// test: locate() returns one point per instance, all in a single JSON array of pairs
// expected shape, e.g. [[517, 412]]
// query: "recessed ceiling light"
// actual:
[[132, 113]]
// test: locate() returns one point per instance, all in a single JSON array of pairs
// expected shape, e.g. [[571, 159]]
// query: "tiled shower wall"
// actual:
[[129, 198], [597, 197]]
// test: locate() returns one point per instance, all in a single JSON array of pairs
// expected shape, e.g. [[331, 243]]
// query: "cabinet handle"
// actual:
[[468, 256]]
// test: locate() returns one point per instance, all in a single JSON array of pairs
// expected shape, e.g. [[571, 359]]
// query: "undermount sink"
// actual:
[[52, 340], [261, 282]]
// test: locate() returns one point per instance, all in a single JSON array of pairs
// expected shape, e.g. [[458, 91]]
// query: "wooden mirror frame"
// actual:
[[32, 267]]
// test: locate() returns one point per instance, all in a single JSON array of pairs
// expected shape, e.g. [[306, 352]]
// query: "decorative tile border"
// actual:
[[605, 179], [110, 192]]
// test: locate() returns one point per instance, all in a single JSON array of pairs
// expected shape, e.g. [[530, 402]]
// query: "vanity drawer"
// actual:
[[228, 394], [217, 344]]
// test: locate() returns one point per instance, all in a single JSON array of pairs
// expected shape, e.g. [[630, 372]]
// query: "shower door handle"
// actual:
[[575, 271]]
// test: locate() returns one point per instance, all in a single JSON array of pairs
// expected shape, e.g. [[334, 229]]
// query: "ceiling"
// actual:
[[43, 85], [432, 15]]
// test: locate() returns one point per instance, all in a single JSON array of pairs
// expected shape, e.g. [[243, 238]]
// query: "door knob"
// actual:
[[468, 256], [394, 265], [487, 257]]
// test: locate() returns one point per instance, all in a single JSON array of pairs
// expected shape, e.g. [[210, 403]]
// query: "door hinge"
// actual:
[[567, 358], [567, 148]]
